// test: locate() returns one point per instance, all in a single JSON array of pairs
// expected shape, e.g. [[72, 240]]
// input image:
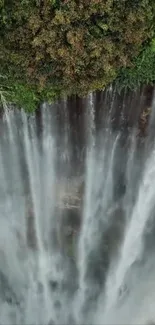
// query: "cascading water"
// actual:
[[70, 256]]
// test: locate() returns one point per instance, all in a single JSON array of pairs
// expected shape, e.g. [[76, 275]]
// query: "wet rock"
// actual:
[[123, 291], [30, 225], [6, 292], [53, 285]]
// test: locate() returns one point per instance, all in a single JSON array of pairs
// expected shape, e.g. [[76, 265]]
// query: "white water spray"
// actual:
[[43, 280]]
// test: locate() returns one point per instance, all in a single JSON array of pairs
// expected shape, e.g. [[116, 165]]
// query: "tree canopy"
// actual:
[[61, 47]]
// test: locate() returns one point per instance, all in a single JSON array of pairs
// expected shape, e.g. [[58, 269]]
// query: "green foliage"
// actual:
[[54, 47], [24, 96], [27, 97], [142, 70]]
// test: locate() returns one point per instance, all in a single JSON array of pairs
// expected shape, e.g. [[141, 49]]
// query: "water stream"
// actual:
[[77, 235]]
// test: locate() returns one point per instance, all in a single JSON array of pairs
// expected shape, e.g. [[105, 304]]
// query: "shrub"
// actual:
[[142, 70], [59, 47]]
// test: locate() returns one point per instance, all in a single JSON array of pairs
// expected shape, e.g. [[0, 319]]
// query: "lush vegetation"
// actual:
[[51, 48], [141, 71]]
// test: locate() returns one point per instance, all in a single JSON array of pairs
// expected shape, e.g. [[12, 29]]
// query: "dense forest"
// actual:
[[55, 48]]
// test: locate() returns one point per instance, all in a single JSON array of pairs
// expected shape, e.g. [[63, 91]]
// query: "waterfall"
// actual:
[[77, 219]]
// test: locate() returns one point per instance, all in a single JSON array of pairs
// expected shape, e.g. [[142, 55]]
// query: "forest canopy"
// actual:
[[51, 48]]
